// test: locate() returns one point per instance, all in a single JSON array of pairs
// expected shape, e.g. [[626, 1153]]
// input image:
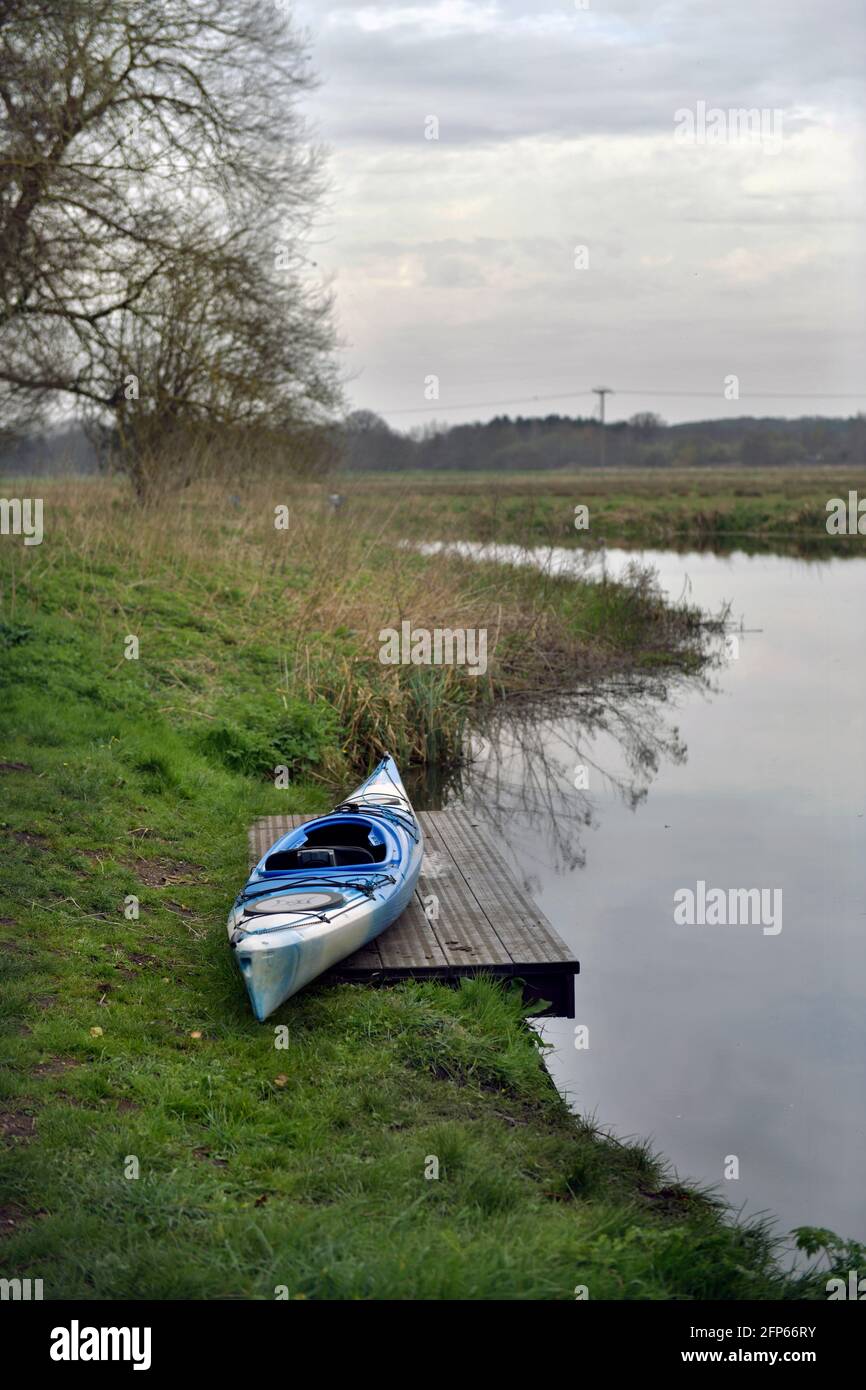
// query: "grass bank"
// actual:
[[719, 508], [263, 640], [156, 1141]]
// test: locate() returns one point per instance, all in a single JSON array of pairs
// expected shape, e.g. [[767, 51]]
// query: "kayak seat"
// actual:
[[349, 854], [343, 854], [348, 841]]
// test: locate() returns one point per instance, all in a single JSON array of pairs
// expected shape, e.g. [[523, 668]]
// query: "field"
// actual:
[[726, 508], [157, 1143]]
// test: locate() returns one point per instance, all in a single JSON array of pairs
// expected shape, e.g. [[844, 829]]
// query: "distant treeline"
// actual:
[[365, 442], [558, 441]]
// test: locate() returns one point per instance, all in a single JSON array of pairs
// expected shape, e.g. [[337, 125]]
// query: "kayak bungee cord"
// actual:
[[386, 809], [395, 808], [367, 886]]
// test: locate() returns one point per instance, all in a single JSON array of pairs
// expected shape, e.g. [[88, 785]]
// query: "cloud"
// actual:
[[456, 255], [501, 71], [743, 266]]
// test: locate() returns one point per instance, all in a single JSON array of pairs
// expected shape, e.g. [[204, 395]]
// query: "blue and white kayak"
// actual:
[[326, 889]]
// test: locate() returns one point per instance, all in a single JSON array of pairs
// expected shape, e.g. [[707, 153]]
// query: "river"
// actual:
[[739, 1049]]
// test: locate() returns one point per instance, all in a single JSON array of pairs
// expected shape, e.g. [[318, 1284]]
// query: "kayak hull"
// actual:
[[294, 920]]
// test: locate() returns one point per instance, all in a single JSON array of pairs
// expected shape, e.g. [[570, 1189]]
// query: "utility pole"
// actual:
[[601, 392]]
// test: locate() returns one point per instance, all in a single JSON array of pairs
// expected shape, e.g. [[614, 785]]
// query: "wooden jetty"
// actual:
[[469, 914]]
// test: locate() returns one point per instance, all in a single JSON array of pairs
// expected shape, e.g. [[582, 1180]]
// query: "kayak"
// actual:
[[325, 889]]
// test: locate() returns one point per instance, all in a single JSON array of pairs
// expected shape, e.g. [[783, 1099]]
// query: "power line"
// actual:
[[630, 391], [756, 395], [484, 405]]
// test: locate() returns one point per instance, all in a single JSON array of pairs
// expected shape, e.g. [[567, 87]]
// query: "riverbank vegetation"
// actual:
[[252, 607], [682, 508]]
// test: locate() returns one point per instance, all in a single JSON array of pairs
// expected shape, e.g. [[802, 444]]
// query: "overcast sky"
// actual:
[[455, 257]]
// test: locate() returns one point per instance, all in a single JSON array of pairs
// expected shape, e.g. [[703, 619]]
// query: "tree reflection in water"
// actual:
[[524, 766]]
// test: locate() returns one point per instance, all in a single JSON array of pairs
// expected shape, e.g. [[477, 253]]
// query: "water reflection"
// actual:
[[431, 787], [538, 766]]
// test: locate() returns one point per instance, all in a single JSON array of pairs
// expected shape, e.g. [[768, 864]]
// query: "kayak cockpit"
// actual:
[[333, 843]]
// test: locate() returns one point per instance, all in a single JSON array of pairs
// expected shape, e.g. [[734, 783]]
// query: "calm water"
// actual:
[[714, 1040]]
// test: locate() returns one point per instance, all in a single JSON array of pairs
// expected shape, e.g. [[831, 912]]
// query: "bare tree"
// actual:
[[157, 182]]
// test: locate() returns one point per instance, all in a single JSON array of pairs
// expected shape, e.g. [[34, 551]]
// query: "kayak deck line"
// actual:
[[477, 918]]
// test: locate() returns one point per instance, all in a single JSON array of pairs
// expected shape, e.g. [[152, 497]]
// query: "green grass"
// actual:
[[719, 508], [129, 1046], [265, 645]]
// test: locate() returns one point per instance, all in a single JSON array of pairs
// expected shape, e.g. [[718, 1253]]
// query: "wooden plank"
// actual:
[[522, 927], [367, 961], [472, 842], [474, 830], [410, 943], [265, 831], [464, 929]]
